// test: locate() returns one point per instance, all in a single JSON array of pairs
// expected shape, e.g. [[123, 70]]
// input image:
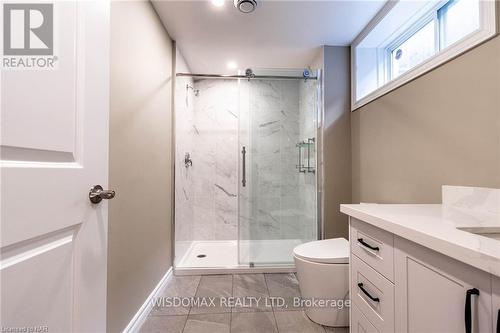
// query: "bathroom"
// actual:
[[250, 166]]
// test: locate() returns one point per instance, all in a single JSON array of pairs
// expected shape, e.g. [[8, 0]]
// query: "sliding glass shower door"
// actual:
[[277, 167]]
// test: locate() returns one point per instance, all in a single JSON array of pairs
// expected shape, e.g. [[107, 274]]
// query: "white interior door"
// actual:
[[54, 148]]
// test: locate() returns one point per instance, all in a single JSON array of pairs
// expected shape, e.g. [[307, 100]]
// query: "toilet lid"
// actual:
[[327, 251]]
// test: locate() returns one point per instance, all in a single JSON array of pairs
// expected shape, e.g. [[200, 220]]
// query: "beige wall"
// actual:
[[442, 128], [336, 139], [140, 159]]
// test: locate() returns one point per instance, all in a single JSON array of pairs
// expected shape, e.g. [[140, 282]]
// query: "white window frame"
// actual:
[[407, 34], [488, 29]]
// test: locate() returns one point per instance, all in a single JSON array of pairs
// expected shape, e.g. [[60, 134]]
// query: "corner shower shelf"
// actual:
[[305, 166]]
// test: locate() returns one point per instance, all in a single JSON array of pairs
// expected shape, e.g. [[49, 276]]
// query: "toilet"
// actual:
[[323, 274]]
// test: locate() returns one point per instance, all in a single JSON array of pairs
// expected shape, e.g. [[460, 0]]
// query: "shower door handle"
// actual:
[[244, 167]]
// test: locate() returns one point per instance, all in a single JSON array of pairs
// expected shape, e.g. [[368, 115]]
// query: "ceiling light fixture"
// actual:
[[232, 65], [218, 3], [245, 6]]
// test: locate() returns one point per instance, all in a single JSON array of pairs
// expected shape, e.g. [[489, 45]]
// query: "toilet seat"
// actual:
[[327, 251]]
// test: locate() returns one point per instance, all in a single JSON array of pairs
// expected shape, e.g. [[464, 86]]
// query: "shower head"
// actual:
[[195, 91], [245, 6], [249, 73]]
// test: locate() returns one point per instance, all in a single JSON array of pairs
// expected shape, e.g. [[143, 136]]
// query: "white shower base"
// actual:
[[273, 255]]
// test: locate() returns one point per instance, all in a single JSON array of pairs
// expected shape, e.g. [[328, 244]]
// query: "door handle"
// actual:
[[468, 310], [97, 193], [365, 244], [244, 167], [375, 299]]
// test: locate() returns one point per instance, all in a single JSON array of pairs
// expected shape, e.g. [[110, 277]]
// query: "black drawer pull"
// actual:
[[375, 299], [468, 311], [374, 248]]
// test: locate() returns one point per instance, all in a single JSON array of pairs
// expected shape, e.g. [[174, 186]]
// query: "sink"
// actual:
[[490, 232]]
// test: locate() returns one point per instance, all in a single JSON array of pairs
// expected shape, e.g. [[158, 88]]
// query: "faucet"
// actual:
[[187, 160]]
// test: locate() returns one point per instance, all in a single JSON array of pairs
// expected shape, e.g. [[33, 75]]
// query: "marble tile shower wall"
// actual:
[[278, 206], [185, 131], [215, 202], [308, 102], [277, 202], [274, 211], [208, 130]]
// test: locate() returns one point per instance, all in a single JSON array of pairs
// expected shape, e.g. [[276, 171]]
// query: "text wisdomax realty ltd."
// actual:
[[249, 302]]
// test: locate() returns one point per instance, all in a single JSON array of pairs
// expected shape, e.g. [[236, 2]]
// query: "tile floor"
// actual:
[[260, 318]]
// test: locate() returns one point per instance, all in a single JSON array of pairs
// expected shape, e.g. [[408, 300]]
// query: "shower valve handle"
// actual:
[[187, 160]]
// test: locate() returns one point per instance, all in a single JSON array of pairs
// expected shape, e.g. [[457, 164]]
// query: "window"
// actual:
[[418, 47], [457, 19], [409, 38]]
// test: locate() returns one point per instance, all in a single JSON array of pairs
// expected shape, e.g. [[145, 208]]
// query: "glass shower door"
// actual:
[[277, 191]]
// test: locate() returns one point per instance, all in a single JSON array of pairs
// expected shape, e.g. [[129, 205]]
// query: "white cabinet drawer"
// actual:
[[373, 294], [374, 246], [359, 323]]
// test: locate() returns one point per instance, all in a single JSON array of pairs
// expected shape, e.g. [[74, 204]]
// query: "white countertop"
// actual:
[[435, 227]]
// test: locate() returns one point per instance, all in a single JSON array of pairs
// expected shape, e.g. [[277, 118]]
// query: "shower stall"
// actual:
[[246, 169]]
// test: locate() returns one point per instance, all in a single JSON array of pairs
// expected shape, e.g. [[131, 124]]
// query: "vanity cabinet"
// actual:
[[399, 286], [432, 290], [359, 323], [496, 304]]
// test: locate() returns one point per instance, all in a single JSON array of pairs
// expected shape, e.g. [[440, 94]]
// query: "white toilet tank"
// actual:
[[323, 274]]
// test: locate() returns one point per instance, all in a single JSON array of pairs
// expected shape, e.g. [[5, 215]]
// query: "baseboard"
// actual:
[[142, 314]]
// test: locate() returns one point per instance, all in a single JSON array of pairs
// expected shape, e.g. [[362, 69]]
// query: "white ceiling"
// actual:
[[278, 34]]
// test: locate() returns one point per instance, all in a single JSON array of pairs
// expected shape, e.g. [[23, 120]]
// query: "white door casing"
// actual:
[[54, 148]]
